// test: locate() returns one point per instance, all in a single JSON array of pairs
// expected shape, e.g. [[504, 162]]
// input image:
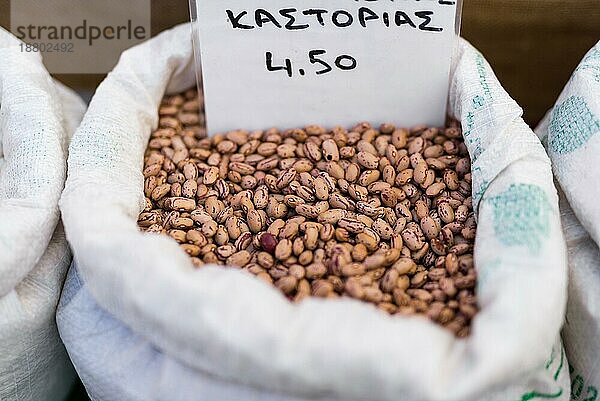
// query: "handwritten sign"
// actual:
[[289, 63]]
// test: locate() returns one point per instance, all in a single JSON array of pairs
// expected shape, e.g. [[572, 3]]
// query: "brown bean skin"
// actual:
[[380, 214]]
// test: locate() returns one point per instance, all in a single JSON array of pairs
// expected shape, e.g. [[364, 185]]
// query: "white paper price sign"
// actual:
[[289, 63]]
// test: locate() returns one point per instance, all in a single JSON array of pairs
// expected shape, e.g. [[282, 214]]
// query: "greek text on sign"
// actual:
[[274, 63]]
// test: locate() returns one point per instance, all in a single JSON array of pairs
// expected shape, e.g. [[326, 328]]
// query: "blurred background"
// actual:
[[533, 45]]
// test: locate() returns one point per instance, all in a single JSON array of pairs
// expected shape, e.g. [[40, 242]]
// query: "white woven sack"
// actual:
[[171, 332], [571, 132], [37, 116]]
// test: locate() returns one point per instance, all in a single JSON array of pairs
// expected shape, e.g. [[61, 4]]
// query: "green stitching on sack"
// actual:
[[551, 359], [481, 71], [562, 361], [473, 142], [590, 62], [573, 124], [522, 216], [478, 192], [536, 394], [577, 386], [478, 102]]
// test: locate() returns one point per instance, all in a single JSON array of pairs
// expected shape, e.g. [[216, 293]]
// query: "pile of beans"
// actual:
[[383, 215]]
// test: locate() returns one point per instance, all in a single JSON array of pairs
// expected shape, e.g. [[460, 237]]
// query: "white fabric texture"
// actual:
[[571, 132], [34, 365], [37, 116], [224, 326]]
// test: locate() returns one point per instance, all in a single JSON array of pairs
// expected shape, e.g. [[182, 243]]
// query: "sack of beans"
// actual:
[[37, 116], [571, 133], [313, 263]]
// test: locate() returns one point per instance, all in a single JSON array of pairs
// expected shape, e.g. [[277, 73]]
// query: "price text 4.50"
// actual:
[[316, 58]]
